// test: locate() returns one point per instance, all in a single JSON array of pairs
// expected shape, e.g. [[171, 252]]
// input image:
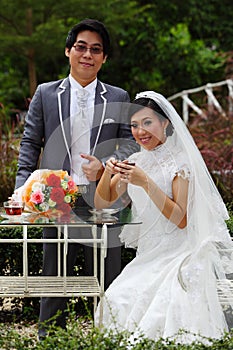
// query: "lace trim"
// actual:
[[184, 173]]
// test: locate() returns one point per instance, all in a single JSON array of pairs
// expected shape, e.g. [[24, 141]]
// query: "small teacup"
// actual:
[[13, 207]]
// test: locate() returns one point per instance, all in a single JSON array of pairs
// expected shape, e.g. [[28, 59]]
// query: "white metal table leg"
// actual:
[[59, 251], [25, 259], [65, 251], [103, 254], [95, 259]]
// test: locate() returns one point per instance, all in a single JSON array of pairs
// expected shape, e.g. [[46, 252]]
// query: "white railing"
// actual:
[[212, 100]]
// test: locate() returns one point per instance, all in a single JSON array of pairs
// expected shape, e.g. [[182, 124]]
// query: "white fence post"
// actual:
[[212, 100]]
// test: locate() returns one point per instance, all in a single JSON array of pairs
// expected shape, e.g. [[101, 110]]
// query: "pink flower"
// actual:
[[71, 185], [37, 197]]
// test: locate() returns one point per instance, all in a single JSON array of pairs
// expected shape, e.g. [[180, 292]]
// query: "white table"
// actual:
[[60, 285]]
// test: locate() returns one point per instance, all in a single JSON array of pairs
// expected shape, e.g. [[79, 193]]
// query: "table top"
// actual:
[[79, 217]]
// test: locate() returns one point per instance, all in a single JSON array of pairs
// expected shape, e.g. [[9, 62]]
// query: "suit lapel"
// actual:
[[63, 97], [99, 114]]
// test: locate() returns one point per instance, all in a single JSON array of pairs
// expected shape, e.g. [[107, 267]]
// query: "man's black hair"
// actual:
[[94, 26]]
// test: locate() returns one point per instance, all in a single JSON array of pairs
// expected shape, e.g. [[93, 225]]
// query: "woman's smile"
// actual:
[[145, 140]]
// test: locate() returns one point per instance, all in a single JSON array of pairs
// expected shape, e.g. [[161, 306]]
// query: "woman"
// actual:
[[171, 283]]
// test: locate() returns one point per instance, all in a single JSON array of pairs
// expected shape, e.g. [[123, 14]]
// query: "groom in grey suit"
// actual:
[[48, 141]]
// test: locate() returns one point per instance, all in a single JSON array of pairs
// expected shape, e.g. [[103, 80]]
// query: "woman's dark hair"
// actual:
[[94, 26], [143, 102]]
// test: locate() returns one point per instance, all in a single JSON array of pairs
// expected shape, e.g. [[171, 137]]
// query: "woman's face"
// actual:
[[148, 129]]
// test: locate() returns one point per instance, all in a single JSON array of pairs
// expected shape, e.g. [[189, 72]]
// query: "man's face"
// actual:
[[85, 64]]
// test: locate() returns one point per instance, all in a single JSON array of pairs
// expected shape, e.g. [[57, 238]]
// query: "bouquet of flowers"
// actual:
[[49, 192]]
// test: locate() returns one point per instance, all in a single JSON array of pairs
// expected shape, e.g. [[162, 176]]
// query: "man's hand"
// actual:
[[94, 169]]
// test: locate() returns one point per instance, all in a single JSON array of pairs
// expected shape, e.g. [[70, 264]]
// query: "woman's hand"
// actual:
[[108, 189], [130, 173], [110, 166]]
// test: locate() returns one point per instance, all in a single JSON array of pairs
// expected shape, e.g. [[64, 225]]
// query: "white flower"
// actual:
[[38, 186], [43, 206], [51, 203], [64, 185], [67, 199]]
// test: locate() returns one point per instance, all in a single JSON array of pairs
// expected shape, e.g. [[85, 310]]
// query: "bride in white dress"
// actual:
[[171, 283]]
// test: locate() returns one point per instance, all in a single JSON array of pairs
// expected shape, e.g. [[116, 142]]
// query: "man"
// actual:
[[52, 124]]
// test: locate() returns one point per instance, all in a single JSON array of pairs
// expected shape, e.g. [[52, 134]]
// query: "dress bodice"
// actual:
[[161, 165]]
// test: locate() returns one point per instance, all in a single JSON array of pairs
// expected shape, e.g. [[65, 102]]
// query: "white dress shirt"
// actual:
[[78, 176]]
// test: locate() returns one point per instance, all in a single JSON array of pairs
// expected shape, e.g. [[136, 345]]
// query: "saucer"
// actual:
[[103, 219], [104, 212], [13, 218]]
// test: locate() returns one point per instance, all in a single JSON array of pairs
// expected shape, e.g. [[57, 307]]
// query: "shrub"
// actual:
[[9, 149], [81, 334], [213, 137], [229, 222]]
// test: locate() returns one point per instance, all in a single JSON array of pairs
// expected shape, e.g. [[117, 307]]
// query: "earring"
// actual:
[[165, 132]]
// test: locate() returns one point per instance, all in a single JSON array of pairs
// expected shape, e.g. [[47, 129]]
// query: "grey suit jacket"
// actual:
[[46, 141]]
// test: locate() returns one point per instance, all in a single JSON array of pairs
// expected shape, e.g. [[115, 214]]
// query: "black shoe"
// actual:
[[42, 334]]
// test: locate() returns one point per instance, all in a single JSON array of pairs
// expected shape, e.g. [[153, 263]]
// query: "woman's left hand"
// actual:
[[131, 173]]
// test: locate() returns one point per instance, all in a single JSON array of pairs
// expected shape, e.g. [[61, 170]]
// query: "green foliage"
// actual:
[[9, 145], [12, 254], [83, 335], [164, 46], [185, 60], [13, 86], [127, 255], [213, 22], [229, 222]]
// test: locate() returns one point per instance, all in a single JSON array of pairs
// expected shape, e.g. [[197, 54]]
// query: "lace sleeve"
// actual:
[[184, 172]]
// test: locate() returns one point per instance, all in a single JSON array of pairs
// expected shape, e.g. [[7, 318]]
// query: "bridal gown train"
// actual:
[[163, 289]]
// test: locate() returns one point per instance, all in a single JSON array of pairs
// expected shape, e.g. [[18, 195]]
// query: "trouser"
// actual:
[[51, 306]]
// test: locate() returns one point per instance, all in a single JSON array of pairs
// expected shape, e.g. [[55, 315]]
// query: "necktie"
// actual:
[[80, 138]]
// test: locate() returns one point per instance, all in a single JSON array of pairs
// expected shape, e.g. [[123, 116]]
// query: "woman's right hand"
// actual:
[[110, 166]]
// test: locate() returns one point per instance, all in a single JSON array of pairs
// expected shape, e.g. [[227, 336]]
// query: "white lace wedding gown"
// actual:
[[158, 292]]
